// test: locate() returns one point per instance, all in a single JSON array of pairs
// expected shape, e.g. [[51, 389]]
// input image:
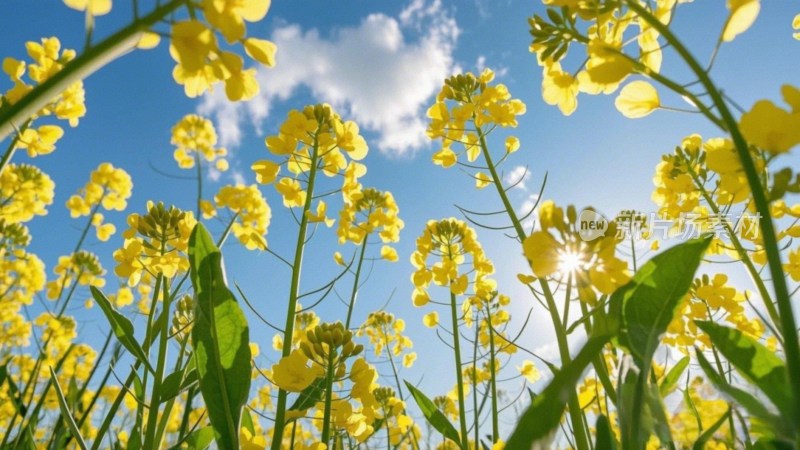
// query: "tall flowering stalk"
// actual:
[[467, 110], [311, 143]]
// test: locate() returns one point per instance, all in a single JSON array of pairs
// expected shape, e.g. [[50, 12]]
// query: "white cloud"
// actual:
[[527, 210], [518, 177], [381, 73], [238, 176]]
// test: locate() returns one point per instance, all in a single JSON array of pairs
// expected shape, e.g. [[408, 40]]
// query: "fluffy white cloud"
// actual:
[[381, 73], [527, 211], [518, 177]]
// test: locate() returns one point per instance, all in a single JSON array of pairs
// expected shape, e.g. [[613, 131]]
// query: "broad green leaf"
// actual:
[[635, 426], [638, 424], [66, 415], [656, 410], [539, 422], [13, 391], [673, 376], [435, 417], [201, 438], [773, 444], [776, 425], [221, 339], [649, 301], [756, 363], [198, 439], [700, 443], [175, 383], [605, 439], [122, 328], [310, 396], [72, 393], [135, 439]]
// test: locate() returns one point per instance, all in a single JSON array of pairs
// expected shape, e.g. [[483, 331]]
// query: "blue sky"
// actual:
[[381, 63]]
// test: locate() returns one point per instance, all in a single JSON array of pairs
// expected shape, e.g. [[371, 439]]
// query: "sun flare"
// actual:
[[570, 261]]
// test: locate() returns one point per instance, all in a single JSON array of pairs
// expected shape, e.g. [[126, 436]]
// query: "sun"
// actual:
[[570, 261]]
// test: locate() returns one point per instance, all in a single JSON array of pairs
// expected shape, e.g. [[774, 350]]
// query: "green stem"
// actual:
[[85, 412], [356, 279], [294, 293], [581, 440], [462, 413], [737, 244], [112, 411], [791, 345], [12, 147], [326, 418], [199, 184], [165, 415], [150, 440], [187, 410], [39, 402], [398, 385], [475, 409], [574, 408], [493, 379], [81, 67], [567, 301]]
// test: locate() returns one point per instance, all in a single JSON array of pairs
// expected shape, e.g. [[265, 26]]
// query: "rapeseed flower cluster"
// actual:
[[155, 243], [467, 108], [194, 137], [108, 187], [200, 60], [46, 59], [453, 244], [557, 250]]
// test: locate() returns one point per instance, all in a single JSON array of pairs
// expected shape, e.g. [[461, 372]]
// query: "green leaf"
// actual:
[[435, 417], [648, 303], [754, 406], [201, 438], [135, 439], [755, 362], [247, 422], [13, 391], [175, 383], [538, 423], [656, 409], [122, 328], [198, 439], [700, 443], [773, 444], [221, 339], [66, 415], [605, 439], [673, 376], [310, 396]]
